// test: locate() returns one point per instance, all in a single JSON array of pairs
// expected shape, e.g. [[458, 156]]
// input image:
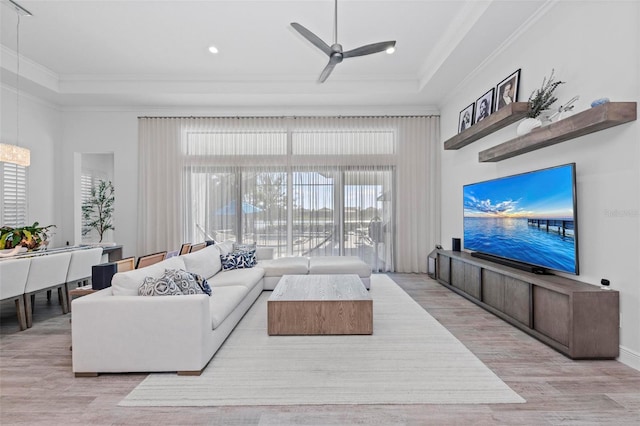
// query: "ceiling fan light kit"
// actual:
[[335, 52]]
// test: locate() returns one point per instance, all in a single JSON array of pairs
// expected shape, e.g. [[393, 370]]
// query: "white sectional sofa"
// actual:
[[114, 330]]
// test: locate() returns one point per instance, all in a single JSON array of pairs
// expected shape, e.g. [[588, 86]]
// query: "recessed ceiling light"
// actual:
[[213, 49], [390, 50]]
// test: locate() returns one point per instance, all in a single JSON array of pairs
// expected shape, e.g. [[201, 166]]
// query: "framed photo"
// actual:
[[507, 90], [484, 106], [466, 118]]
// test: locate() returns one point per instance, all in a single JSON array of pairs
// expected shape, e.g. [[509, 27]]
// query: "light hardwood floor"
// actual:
[[37, 386]]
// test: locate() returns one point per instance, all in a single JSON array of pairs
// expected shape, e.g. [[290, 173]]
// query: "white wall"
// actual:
[[100, 132], [40, 131], [594, 47]]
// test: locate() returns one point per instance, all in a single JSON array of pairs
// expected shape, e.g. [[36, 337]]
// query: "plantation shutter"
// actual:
[[13, 183]]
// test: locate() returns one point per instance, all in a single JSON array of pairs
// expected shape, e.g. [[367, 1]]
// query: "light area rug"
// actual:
[[410, 359]]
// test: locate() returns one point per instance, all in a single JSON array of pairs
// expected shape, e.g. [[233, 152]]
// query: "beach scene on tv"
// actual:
[[528, 218]]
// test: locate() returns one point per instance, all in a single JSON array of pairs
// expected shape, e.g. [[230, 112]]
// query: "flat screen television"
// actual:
[[527, 220]]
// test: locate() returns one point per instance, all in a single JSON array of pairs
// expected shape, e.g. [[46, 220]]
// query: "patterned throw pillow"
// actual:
[[162, 286], [238, 260], [202, 282], [251, 257], [184, 280]]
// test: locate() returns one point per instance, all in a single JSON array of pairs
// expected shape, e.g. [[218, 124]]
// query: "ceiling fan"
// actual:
[[335, 53]]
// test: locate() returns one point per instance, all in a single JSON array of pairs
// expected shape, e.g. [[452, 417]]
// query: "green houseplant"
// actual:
[[31, 237], [97, 210], [539, 101]]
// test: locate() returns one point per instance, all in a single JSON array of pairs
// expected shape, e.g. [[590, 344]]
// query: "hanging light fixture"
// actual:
[[15, 153]]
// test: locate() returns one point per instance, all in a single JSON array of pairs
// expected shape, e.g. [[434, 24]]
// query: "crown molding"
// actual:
[[234, 111], [29, 69], [448, 42], [31, 97], [535, 17]]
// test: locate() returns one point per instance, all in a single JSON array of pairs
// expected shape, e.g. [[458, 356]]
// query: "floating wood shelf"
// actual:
[[496, 121], [592, 120]]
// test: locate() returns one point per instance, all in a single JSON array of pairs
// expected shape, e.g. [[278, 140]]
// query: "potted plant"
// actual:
[[97, 210], [31, 237], [540, 100]]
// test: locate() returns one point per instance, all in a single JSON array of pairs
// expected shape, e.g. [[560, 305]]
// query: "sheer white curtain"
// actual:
[[235, 169], [417, 192], [160, 184], [343, 186], [364, 186]]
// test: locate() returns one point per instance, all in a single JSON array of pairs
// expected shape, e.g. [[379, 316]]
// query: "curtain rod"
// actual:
[[239, 117]]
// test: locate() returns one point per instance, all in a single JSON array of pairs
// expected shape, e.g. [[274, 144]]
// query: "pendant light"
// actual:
[[16, 154]]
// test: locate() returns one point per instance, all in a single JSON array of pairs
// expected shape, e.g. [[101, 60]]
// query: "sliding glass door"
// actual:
[[327, 212], [368, 217], [264, 209]]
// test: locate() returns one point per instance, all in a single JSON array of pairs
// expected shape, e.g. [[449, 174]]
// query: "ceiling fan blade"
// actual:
[[314, 39], [327, 71], [369, 49]]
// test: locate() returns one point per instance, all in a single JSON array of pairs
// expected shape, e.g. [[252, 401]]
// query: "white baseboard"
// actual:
[[629, 357]]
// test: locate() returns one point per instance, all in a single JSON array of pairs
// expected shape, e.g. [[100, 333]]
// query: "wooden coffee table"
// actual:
[[319, 304]]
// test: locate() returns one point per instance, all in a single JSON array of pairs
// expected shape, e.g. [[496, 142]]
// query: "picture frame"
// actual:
[[507, 90], [484, 106], [466, 118]]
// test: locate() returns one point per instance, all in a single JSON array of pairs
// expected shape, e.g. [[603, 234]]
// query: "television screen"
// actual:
[[529, 218]]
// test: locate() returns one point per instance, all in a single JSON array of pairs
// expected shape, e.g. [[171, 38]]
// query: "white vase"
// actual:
[[527, 125]]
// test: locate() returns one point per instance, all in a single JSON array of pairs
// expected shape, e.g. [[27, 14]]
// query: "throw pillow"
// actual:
[[238, 260], [250, 256], [163, 286], [202, 282], [184, 280]]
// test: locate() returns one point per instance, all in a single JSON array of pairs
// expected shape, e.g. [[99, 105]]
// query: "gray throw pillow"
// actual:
[[163, 286], [184, 280]]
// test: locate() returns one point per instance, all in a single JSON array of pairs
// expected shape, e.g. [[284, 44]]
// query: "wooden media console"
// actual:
[[579, 320]]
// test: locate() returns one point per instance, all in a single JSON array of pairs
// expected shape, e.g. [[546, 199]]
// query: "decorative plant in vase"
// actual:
[[97, 210], [31, 237], [539, 101]]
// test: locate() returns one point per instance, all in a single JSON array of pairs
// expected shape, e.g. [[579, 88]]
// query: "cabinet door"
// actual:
[[457, 274], [493, 289], [551, 314], [472, 280], [517, 297], [443, 268]]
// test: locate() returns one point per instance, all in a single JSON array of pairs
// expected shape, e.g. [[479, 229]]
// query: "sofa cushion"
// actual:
[[224, 302], [263, 253], [224, 247], [339, 265], [127, 283], [245, 277], [285, 266], [238, 260], [205, 262], [184, 280], [163, 286]]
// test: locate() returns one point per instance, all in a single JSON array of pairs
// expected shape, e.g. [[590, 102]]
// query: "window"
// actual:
[[321, 193], [13, 183], [377, 178]]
